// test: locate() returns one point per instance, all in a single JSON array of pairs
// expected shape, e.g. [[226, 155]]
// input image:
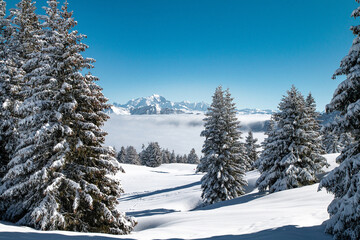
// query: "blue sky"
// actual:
[[184, 49]]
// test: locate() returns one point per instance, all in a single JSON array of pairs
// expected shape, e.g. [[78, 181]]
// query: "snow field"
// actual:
[[172, 212], [166, 201]]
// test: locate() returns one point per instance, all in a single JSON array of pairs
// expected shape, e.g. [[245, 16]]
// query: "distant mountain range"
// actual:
[[157, 104]]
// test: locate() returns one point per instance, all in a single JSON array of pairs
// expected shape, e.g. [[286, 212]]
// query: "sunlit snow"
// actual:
[[166, 201]]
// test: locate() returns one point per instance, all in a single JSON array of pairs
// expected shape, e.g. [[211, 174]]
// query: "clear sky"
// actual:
[[184, 49]]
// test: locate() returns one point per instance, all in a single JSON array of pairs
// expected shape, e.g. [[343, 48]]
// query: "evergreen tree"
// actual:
[[193, 157], [35, 136], [334, 140], [251, 147], [178, 158], [202, 166], [343, 181], [154, 155], [184, 158], [132, 156], [166, 155], [8, 88], [4, 158], [121, 155], [143, 155], [267, 146], [290, 159], [311, 109], [312, 125], [330, 142], [58, 178], [173, 157], [345, 139], [223, 152]]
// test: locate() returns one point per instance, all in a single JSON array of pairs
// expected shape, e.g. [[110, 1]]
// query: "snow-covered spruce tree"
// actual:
[[143, 155], [312, 125], [311, 111], [154, 155], [268, 147], [252, 152], [23, 58], [91, 205], [4, 156], [333, 140], [346, 139], [202, 166], [179, 159], [224, 179], [330, 142], [121, 155], [132, 157], [173, 157], [67, 185], [343, 181], [7, 90], [289, 159], [193, 157], [166, 155]]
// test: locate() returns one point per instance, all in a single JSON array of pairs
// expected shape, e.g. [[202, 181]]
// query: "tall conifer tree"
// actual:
[[343, 181], [223, 152], [192, 157], [289, 159], [121, 155], [58, 179], [312, 125], [132, 157], [23, 172], [252, 152], [6, 97], [154, 155]]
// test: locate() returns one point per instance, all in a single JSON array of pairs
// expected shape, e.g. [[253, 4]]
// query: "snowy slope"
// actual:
[[165, 201]]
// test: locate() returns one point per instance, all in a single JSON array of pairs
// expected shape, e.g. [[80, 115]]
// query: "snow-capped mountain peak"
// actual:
[[156, 104]]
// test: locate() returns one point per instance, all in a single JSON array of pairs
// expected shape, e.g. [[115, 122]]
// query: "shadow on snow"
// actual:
[[52, 236], [235, 201], [282, 233], [147, 194], [150, 212]]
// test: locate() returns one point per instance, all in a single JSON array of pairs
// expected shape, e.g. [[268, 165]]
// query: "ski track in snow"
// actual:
[[166, 201]]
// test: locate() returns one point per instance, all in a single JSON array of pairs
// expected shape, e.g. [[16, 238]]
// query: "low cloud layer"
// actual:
[[175, 132]]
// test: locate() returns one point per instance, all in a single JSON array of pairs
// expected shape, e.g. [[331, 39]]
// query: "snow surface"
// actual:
[[179, 132], [166, 201]]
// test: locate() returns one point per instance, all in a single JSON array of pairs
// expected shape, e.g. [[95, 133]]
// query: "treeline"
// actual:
[[153, 156]]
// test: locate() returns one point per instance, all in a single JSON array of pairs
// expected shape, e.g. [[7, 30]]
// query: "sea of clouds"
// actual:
[[179, 132]]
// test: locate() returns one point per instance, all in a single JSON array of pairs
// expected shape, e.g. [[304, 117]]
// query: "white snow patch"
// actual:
[[166, 202]]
